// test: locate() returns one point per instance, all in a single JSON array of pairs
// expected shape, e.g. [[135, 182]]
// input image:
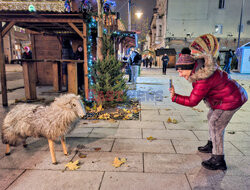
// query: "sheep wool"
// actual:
[[51, 122]]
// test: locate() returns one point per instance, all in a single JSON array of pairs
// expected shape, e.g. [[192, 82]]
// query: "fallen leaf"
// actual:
[[167, 109], [169, 120], [80, 146], [174, 121], [118, 162], [73, 165], [95, 121], [88, 108], [116, 115], [81, 155], [99, 108], [97, 149], [151, 138], [231, 132]]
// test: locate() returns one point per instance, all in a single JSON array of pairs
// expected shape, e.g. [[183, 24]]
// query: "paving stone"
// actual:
[[171, 163], [97, 123], [161, 118], [95, 161], [238, 165], [89, 143], [248, 133], [7, 176], [195, 125], [190, 147], [136, 181], [143, 145], [116, 133], [149, 113], [238, 127], [212, 180], [141, 124], [25, 159], [243, 146], [172, 112], [169, 134], [192, 118], [57, 180], [238, 136], [80, 132]]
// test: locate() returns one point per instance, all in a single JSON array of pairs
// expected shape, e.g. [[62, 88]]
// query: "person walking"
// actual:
[[165, 60], [135, 62], [223, 95], [228, 59]]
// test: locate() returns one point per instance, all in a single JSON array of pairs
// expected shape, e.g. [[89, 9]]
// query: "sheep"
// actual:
[[51, 122]]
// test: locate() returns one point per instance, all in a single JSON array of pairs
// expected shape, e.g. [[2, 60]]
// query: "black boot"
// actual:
[[207, 148], [216, 162]]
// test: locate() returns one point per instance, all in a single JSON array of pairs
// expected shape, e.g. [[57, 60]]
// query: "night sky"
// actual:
[[146, 6]]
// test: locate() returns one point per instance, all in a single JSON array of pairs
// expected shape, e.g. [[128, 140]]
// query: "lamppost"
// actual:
[[241, 13]]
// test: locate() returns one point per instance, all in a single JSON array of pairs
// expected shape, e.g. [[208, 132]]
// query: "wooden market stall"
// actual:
[[171, 54], [46, 29]]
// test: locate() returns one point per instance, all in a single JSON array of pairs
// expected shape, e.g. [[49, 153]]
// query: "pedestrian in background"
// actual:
[[228, 59], [223, 95], [135, 62], [165, 60], [27, 54]]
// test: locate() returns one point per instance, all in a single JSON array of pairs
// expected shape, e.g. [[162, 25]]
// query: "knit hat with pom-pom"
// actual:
[[185, 62]]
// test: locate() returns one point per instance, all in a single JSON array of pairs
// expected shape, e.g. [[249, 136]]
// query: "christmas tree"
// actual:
[[109, 84]]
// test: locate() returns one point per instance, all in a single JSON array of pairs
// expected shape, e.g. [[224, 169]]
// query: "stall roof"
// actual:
[[162, 51], [49, 22]]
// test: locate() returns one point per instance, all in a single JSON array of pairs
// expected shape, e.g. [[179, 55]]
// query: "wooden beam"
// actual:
[[3, 71], [85, 66], [76, 29], [57, 75], [72, 78], [7, 28], [29, 77], [41, 20]]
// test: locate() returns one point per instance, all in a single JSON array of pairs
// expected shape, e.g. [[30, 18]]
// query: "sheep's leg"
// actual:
[[52, 151], [7, 151], [64, 146]]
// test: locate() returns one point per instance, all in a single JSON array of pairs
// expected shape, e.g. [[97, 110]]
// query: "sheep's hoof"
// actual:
[[25, 146], [66, 154], [55, 163], [7, 154]]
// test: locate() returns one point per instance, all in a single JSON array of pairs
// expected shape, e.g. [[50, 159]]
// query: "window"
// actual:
[[221, 4], [160, 30], [218, 29]]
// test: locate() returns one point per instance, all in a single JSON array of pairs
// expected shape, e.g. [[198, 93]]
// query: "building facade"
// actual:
[[187, 19]]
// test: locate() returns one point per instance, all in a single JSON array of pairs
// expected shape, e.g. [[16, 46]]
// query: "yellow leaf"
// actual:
[[94, 107], [169, 120], [118, 162], [95, 121], [73, 165], [175, 121], [99, 108], [116, 115], [88, 108], [151, 138]]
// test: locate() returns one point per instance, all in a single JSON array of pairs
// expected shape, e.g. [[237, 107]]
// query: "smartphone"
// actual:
[[170, 83]]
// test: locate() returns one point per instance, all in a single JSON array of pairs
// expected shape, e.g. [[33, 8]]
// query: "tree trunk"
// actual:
[[100, 30]]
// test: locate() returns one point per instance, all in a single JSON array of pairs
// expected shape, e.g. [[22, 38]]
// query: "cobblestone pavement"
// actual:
[[169, 162]]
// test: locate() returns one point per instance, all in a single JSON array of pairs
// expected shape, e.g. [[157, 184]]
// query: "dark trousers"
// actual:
[[164, 69]]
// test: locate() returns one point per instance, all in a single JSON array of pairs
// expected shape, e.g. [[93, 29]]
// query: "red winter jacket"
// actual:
[[215, 87]]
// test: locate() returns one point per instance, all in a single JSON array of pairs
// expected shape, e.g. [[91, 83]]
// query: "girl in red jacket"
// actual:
[[223, 95]]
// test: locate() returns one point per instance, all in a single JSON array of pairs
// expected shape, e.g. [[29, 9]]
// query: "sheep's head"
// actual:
[[78, 106], [73, 102]]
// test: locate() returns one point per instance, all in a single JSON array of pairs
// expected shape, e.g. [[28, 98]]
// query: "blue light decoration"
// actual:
[[92, 25], [108, 5], [67, 6]]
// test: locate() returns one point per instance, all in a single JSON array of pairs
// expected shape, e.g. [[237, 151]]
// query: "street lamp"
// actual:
[[139, 14]]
